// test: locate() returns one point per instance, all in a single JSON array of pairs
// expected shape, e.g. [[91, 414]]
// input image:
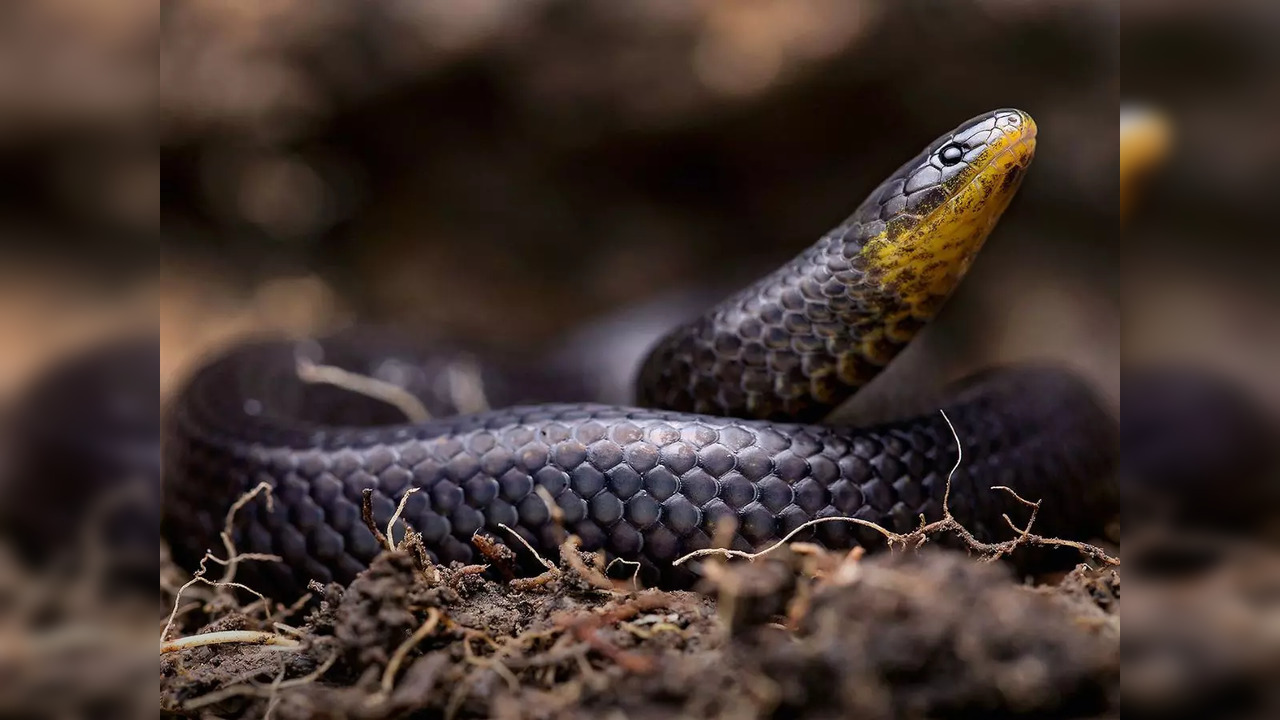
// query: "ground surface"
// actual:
[[932, 634], [796, 633]]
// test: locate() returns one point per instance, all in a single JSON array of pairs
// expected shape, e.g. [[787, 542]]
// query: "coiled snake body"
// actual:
[[729, 426]]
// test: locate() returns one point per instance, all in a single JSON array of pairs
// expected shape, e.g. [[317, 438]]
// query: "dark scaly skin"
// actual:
[[802, 340], [642, 484], [648, 484]]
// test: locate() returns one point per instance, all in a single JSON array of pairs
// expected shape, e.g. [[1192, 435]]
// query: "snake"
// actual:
[[729, 440]]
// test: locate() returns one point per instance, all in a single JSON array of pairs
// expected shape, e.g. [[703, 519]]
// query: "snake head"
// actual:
[[932, 216]]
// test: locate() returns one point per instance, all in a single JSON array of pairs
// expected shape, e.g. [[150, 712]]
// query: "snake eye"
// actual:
[[951, 154]]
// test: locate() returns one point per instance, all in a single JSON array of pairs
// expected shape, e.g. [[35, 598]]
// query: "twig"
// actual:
[[366, 514]]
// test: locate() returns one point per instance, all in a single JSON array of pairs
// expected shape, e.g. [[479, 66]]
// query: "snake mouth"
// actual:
[[1009, 154], [978, 199]]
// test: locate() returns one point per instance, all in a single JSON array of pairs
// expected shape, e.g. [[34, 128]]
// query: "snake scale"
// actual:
[[729, 423]]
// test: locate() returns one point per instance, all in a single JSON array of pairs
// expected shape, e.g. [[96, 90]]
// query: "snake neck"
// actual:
[[804, 339], [794, 344]]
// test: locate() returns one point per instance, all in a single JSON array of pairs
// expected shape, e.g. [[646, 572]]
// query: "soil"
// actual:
[[800, 632], [888, 637]]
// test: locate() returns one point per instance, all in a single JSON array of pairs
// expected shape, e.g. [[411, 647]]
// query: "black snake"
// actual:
[[728, 428]]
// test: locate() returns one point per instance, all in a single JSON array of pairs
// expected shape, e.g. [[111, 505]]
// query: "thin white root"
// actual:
[[726, 552], [946, 492], [391, 540], [393, 395], [244, 499], [251, 637], [288, 630], [1016, 496], [545, 563], [199, 577], [635, 575], [233, 559], [253, 689]]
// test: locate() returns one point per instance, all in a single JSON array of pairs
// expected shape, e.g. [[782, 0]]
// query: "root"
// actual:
[[592, 575], [366, 514], [390, 537], [411, 542], [466, 387], [989, 552], [250, 637], [234, 558], [230, 563], [635, 575], [727, 553], [393, 395], [397, 658], [545, 562]]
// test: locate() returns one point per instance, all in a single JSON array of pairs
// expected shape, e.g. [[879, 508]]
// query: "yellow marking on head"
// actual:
[[921, 262]]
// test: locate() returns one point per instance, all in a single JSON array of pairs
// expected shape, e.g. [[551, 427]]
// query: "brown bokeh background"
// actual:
[[508, 171], [505, 172], [1201, 248]]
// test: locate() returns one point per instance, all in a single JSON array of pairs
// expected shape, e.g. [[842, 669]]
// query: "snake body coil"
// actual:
[[720, 438]]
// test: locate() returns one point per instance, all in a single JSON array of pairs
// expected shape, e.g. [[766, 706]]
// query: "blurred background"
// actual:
[[504, 173], [79, 172], [1199, 293], [1201, 244]]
